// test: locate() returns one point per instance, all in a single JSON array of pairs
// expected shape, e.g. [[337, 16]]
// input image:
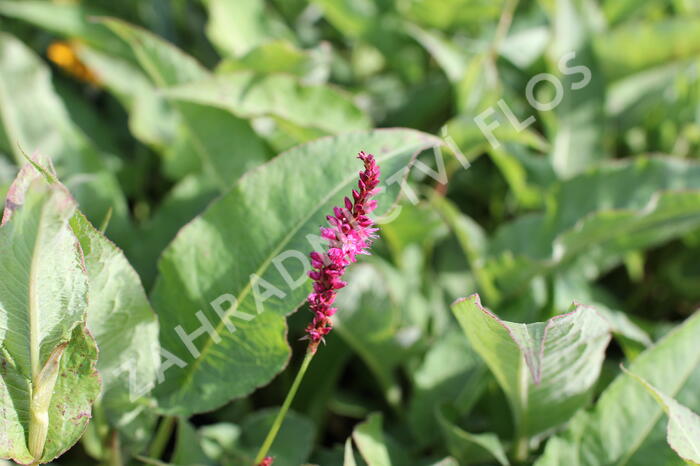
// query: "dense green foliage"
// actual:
[[532, 295]]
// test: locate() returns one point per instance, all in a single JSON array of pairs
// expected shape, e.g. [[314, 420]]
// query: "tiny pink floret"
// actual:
[[350, 233]]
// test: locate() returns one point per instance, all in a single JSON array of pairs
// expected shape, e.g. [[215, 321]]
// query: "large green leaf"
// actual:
[[49, 381], [626, 426], [546, 369], [225, 146], [248, 95], [256, 230], [683, 432], [123, 323], [119, 317], [34, 119]]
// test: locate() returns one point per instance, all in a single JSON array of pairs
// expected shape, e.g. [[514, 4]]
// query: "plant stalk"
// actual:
[[521, 449], [274, 429], [160, 442]]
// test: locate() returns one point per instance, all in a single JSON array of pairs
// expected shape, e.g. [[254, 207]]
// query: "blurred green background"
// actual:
[[595, 201]]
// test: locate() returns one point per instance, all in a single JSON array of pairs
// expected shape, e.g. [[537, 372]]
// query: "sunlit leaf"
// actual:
[[546, 369], [627, 425], [49, 381], [240, 237], [683, 432]]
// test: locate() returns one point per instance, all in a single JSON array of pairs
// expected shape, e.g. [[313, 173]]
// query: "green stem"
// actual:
[[115, 453], [521, 449], [160, 442], [285, 407]]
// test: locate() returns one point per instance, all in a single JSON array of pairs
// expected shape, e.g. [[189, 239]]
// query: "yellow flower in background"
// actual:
[[63, 54]]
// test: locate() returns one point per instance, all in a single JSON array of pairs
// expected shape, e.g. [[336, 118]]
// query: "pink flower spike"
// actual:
[[351, 232]]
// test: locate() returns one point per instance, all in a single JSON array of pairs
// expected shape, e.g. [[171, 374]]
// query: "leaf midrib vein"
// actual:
[[33, 307]]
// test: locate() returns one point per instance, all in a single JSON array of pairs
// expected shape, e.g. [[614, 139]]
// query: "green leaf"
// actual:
[[546, 369], [119, 316], [352, 18], [626, 425], [33, 119], [233, 250], [278, 56], [219, 441], [49, 381], [237, 28], [683, 432], [249, 95], [621, 10], [369, 439], [123, 324], [450, 14], [627, 98], [71, 20], [76, 389], [525, 45], [451, 58], [470, 448], [152, 119], [209, 132], [641, 45]]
